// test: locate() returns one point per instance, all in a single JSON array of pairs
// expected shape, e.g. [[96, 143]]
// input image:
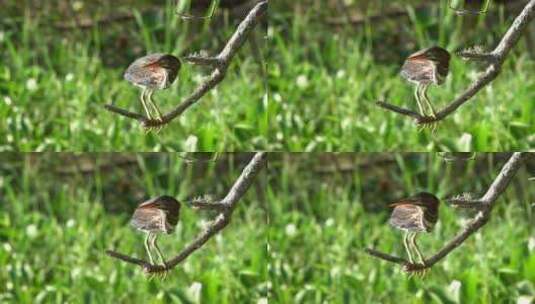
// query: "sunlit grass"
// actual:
[[53, 87], [324, 82], [54, 231], [320, 224]]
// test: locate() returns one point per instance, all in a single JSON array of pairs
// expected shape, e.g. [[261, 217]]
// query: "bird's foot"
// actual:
[[419, 269], [428, 122], [152, 124], [156, 271], [163, 273]]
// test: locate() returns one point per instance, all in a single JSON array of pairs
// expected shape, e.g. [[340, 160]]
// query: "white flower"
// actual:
[[31, 231], [191, 143], [75, 272], [465, 142], [31, 84], [302, 81], [262, 301], [291, 230], [335, 272], [69, 77], [524, 300], [77, 5], [8, 100], [270, 31], [531, 244], [277, 97], [340, 74], [194, 292], [329, 222], [71, 223], [455, 289], [7, 247]]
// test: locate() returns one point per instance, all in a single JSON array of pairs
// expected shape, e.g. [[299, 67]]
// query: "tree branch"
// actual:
[[221, 220], [494, 61], [219, 63], [487, 202]]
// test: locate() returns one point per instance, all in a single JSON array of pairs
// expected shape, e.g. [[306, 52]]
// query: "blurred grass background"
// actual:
[[326, 208], [61, 61], [60, 212], [326, 73]]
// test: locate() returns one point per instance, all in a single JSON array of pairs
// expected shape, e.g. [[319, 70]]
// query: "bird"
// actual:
[[154, 216], [152, 72], [413, 215], [423, 68]]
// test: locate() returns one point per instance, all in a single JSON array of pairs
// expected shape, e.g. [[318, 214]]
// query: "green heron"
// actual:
[[152, 72], [423, 68], [155, 216], [413, 215]]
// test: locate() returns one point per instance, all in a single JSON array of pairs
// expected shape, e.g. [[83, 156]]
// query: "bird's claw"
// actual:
[[418, 269], [428, 122], [151, 124], [160, 272]]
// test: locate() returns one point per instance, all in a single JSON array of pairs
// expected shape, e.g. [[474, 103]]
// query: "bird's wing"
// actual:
[[148, 219], [417, 70], [148, 203], [407, 216], [406, 201]]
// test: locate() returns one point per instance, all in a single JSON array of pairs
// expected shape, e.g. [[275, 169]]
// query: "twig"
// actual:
[[220, 64], [465, 200], [206, 202], [384, 256], [494, 60], [486, 204], [228, 203], [465, 203]]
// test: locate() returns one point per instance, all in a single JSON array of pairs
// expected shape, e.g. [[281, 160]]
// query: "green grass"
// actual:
[[54, 84], [325, 80], [321, 220], [55, 228], [56, 223]]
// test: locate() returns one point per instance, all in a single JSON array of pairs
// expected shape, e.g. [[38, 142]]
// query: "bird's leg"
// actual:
[[148, 248], [406, 244], [418, 101], [426, 99], [430, 110], [412, 241], [154, 106], [160, 255], [143, 102]]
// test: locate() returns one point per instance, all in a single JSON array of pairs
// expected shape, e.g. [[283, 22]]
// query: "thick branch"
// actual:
[[220, 65], [222, 219], [487, 202], [494, 61]]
